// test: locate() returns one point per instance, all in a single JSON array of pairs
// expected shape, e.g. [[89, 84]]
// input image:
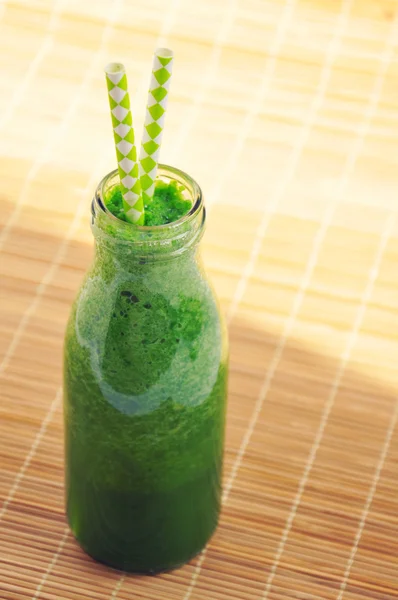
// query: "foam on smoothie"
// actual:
[[168, 204]]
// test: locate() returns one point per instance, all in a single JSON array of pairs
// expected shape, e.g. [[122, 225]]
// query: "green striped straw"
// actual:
[[126, 152], [154, 120]]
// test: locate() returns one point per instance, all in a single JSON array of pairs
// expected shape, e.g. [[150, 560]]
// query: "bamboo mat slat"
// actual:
[[286, 112]]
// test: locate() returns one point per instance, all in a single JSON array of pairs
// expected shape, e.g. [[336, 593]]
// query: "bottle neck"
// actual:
[[128, 244], [113, 261]]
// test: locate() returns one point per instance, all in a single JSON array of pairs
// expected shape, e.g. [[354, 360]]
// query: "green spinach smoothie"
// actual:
[[168, 203], [145, 386]]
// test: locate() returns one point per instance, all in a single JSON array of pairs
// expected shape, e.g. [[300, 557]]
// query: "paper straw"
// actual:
[[154, 120], [126, 152]]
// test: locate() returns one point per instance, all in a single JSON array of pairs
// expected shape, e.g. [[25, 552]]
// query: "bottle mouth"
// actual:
[[192, 192], [154, 240]]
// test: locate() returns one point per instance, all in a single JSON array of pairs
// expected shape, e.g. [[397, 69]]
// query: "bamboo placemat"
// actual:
[[286, 112]]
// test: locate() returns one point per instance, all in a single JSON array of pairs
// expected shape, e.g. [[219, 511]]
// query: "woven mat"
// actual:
[[286, 112]]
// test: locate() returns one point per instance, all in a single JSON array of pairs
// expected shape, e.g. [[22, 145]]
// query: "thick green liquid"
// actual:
[[167, 205], [145, 390]]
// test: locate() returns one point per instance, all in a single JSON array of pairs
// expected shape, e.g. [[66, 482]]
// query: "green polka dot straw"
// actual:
[[126, 151], [154, 120]]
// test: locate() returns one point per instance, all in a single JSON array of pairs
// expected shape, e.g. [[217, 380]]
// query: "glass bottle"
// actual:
[[145, 377]]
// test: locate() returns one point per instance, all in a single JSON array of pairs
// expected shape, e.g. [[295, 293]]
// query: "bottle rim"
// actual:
[[164, 172]]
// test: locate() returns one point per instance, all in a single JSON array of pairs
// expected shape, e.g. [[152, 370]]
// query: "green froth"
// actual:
[[168, 204]]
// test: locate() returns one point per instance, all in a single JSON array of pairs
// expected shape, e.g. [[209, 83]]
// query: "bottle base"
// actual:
[[140, 571], [144, 532]]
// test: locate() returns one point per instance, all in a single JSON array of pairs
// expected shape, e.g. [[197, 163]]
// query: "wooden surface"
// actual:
[[286, 113]]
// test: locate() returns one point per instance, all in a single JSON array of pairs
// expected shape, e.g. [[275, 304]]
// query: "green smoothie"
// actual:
[[145, 387], [168, 204]]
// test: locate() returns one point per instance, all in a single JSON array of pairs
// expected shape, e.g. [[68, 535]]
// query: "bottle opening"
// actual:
[[171, 201]]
